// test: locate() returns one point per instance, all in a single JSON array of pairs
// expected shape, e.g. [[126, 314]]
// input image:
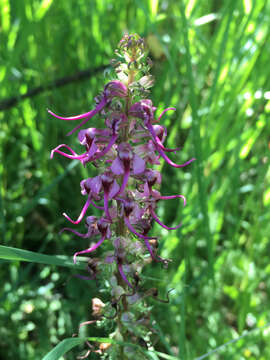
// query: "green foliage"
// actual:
[[211, 61]]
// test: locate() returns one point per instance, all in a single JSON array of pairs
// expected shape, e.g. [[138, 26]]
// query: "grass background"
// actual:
[[211, 61]]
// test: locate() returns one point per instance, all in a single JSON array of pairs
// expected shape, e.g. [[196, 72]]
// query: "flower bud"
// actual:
[[115, 88], [142, 109], [160, 132], [97, 306], [104, 346]]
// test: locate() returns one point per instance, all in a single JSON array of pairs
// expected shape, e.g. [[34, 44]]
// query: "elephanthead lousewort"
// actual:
[[124, 152]]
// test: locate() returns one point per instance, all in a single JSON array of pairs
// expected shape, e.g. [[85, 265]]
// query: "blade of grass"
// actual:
[[69, 343], [232, 342], [197, 144], [14, 254], [221, 53]]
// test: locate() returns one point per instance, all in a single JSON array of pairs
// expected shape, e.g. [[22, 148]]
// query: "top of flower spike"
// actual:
[[131, 57]]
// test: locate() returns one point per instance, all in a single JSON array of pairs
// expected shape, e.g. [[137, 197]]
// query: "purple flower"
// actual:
[[144, 110], [131, 142], [94, 186], [127, 163], [103, 227], [94, 140]]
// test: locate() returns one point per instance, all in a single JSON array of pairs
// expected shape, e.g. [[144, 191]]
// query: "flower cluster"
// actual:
[[124, 151]]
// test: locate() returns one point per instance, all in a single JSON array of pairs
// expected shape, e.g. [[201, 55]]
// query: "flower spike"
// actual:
[[125, 186]]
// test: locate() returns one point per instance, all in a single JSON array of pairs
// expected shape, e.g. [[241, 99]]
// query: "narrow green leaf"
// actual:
[[63, 347], [14, 254], [43, 8]]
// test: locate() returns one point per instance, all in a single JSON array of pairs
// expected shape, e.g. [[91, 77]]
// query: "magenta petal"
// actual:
[[96, 206], [124, 183], [99, 107], [106, 206], [170, 197], [157, 140], [149, 248], [161, 223], [106, 149], [131, 228], [120, 268], [164, 111], [95, 184], [84, 209], [74, 232], [114, 190], [117, 167], [89, 114], [87, 251], [91, 133], [138, 165], [73, 156], [165, 157], [93, 149], [66, 146]]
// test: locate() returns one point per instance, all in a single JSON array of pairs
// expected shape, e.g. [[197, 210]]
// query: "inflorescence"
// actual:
[[124, 153]]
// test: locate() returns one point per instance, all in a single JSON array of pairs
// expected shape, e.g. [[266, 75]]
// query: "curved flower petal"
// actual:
[[157, 141], [155, 215], [131, 228], [164, 111], [74, 232], [66, 146], [161, 223], [106, 205], [170, 197], [87, 251], [165, 157], [95, 184], [99, 107], [84, 209], [105, 150], [124, 182], [96, 206], [93, 149], [87, 115], [74, 156], [120, 269]]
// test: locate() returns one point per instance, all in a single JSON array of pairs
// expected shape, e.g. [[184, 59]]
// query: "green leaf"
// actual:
[[14, 254], [63, 347], [67, 344]]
